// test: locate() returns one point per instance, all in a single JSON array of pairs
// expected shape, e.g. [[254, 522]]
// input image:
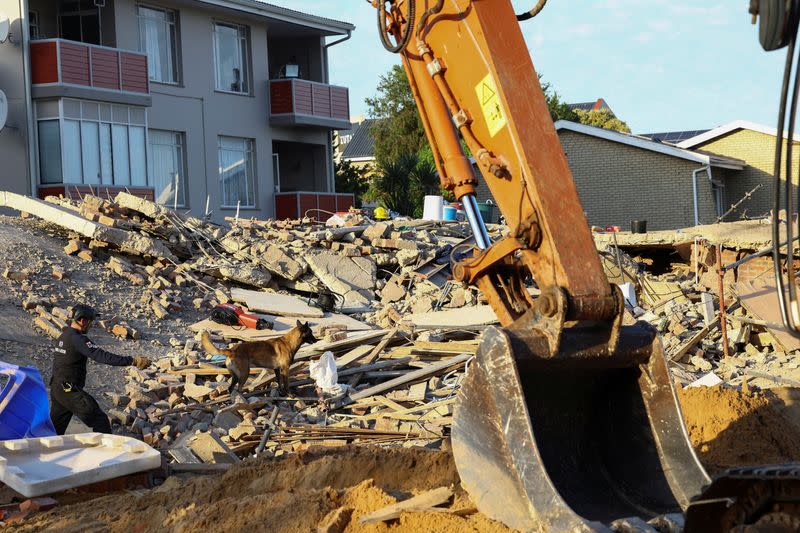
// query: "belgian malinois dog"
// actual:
[[277, 354]]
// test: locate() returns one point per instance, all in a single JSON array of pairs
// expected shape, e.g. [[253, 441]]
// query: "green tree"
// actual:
[[399, 129], [602, 118], [402, 183], [350, 180]]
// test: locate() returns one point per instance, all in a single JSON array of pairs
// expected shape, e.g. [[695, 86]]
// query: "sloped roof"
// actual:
[[590, 106], [673, 137], [257, 7], [648, 144], [719, 131], [362, 145]]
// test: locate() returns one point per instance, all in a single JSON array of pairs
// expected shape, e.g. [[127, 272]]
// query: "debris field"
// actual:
[[394, 329]]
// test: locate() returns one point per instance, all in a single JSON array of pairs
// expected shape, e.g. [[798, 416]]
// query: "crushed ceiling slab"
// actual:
[[352, 278], [275, 304], [126, 241]]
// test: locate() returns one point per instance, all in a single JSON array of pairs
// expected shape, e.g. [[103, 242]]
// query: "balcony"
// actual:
[[296, 102], [62, 68]]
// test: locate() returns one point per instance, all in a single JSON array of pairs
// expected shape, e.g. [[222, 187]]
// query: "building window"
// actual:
[[50, 151], [230, 58], [91, 143], [167, 167], [158, 37], [237, 172], [33, 24]]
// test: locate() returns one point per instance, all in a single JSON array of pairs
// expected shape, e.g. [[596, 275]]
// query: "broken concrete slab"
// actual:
[[125, 240], [275, 304], [45, 465], [760, 298], [352, 278], [246, 274], [210, 449], [281, 263]]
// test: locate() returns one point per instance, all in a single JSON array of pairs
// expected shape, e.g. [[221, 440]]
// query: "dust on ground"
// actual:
[[729, 427], [282, 495]]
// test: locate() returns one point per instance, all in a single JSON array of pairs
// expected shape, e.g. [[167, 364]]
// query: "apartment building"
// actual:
[[222, 105]]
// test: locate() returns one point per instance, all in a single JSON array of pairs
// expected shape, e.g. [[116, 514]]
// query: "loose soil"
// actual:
[[730, 428], [284, 495]]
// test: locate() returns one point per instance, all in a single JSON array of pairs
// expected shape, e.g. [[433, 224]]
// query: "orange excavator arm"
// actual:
[[473, 79], [534, 418]]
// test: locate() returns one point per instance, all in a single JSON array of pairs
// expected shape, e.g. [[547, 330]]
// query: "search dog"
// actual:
[[277, 354]]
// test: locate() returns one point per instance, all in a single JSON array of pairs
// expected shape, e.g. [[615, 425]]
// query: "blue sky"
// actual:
[[661, 65]]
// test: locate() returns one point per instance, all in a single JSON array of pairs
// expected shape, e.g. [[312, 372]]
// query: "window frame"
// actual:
[[62, 117], [250, 150], [183, 163], [33, 24], [177, 66], [243, 40]]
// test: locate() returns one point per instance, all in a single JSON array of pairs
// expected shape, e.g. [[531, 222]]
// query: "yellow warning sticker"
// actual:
[[490, 104]]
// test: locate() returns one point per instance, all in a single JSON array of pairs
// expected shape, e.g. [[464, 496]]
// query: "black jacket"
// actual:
[[69, 361]]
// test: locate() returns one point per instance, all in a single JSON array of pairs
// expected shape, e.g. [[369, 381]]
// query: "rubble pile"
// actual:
[[393, 327], [399, 355]]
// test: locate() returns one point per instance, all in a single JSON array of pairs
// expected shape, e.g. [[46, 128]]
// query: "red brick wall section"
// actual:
[[280, 97], [44, 63]]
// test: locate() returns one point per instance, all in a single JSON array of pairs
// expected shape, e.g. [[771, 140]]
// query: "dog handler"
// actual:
[[67, 396]]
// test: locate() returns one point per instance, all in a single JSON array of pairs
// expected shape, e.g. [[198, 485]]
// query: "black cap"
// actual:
[[83, 311]]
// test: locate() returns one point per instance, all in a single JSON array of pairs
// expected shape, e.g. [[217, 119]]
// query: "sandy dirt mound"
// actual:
[[731, 428], [282, 495]]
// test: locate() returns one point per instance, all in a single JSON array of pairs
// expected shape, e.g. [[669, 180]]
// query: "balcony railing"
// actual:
[[68, 64], [293, 205], [309, 103]]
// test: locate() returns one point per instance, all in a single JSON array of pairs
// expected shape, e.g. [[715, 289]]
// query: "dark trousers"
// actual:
[[79, 403]]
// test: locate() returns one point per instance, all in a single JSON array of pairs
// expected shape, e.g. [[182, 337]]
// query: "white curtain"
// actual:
[[90, 150], [119, 148], [138, 156], [72, 151], [155, 36], [236, 172], [166, 165]]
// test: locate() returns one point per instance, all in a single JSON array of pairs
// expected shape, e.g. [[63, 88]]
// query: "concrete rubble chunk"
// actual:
[[282, 264], [209, 448], [126, 241], [352, 278]]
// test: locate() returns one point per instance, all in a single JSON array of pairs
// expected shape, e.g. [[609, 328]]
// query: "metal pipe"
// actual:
[[476, 221], [722, 322], [694, 193]]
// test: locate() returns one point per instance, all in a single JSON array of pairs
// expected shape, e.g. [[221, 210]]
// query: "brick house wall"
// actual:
[[758, 151], [618, 183]]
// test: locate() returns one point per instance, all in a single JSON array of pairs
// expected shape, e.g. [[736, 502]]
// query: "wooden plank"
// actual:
[[353, 339], [479, 315], [374, 355], [408, 378], [420, 502], [354, 355]]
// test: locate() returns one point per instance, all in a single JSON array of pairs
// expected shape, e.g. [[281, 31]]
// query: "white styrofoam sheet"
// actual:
[[45, 465]]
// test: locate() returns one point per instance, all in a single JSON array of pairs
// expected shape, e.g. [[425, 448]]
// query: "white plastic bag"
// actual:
[[323, 372]]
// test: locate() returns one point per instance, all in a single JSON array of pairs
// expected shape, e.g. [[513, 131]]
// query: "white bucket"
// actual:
[[432, 209]]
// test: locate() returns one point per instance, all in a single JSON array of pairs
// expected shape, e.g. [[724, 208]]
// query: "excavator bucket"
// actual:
[[575, 441]]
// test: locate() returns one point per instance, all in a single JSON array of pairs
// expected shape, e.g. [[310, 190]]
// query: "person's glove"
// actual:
[[141, 362]]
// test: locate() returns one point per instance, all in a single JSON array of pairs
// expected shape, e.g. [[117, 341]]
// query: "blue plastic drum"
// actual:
[[24, 406]]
